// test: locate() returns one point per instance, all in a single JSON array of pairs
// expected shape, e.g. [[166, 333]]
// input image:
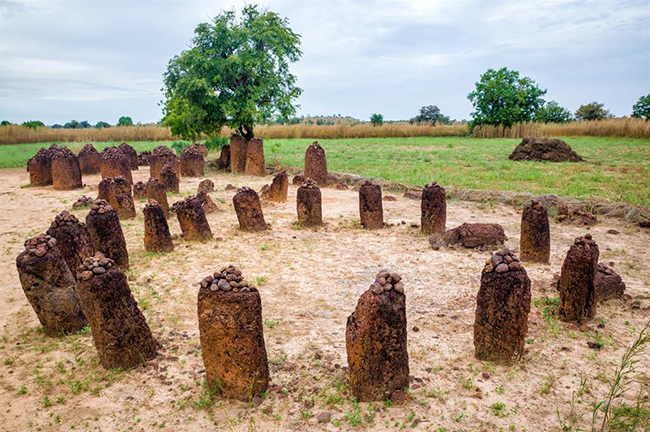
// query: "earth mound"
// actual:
[[544, 149]]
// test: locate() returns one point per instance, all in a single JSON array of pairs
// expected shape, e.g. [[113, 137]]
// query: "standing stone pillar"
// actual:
[[224, 158], [139, 190], [120, 331], [309, 204], [192, 163], [232, 336], [156, 230], [160, 157], [502, 308], [104, 227], [192, 220], [156, 190], [117, 191], [169, 178], [206, 186], [371, 210], [577, 281], [279, 188], [49, 286], [316, 164], [40, 168], [114, 163], [130, 154], [89, 159], [72, 239], [66, 174], [249, 210], [255, 164], [238, 151], [434, 209], [535, 240]]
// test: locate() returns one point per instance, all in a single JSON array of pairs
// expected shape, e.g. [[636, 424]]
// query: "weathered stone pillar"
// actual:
[[66, 174], [160, 157], [309, 204], [255, 158], [192, 163], [535, 241], [434, 209], [40, 168], [114, 163], [206, 186], [139, 190], [577, 281], [192, 220], [608, 283], [208, 205], [72, 239], [316, 164], [371, 210], [169, 178], [155, 190], [156, 231], [89, 159], [104, 227], [238, 150], [249, 210], [224, 158], [279, 188], [117, 191], [130, 154]]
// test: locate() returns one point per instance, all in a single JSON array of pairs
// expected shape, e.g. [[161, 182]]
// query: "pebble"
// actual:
[[502, 268], [324, 417], [99, 270]]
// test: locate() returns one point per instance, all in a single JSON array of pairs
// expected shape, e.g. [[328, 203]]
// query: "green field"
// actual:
[[617, 169]]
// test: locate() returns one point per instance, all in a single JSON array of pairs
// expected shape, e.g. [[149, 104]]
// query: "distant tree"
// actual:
[[84, 124], [125, 121], [236, 74], [377, 119], [503, 98], [641, 109], [102, 125], [5, 123], [430, 114], [72, 124], [33, 124], [592, 111], [57, 126], [553, 112]]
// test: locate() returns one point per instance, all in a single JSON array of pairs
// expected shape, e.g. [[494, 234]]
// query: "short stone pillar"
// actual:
[[139, 190], [160, 157], [434, 209], [192, 163], [232, 335], [66, 174], [106, 232], [120, 331], [49, 286], [206, 186], [114, 163], [279, 188], [535, 240], [375, 339], [156, 190], [130, 154], [72, 239], [224, 158], [371, 210], [608, 283], [249, 210], [577, 281], [309, 204], [192, 220], [117, 191], [169, 178], [238, 151], [89, 159], [156, 230], [207, 203], [502, 307], [316, 164], [255, 164], [40, 168]]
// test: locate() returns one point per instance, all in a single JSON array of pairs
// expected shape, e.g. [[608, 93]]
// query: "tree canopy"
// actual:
[[503, 98], [236, 74], [430, 114], [377, 119], [125, 121], [553, 112], [33, 124], [641, 109], [592, 111]]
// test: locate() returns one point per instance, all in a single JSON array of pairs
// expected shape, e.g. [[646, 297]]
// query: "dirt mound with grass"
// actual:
[[544, 149]]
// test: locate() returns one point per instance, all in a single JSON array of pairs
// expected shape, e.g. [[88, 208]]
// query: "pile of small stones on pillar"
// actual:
[[191, 218], [139, 190], [89, 159], [376, 341], [169, 177], [371, 210], [119, 329], [502, 307], [66, 174], [433, 209], [160, 157], [535, 239], [255, 164], [117, 191], [279, 188], [156, 190], [232, 336], [249, 210], [316, 164], [105, 230], [156, 230], [131, 155], [82, 202], [577, 281], [114, 163], [309, 204], [192, 163], [50, 286], [72, 239]]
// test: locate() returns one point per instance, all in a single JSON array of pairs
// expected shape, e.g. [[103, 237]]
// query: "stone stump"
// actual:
[[106, 232], [66, 174], [255, 158], [316, 164], [120, 331], [156, 231], [89, 159], [156, 190], [535, 240], [192, 220], [375, 339], [502, 307], [49, 286], [577, 281], [206, 186], [471, 235], [309, 204], [279, 188], [160, 157], [249, 210], [192, 163], [169, 178], [224, 158], [131, 155], [238, 151], [371, 210], [117, 191], [208, 205], [40, 168], [139, 190], [232, 336], [608, 283], [72, 239], [434, 209], [115, 164]]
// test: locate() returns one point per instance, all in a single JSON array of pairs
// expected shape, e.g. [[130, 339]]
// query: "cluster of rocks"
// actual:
[[94, 265], [114, 163], [502, 261], [544, 149], [82, 202], [386, 281], [39, 246], [227, 279], [72, 239]]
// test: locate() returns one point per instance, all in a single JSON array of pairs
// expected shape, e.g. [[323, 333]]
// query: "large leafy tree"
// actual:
[[377, 119], [236, 74], [641, 109], [430, 114], [592, 111], [503, 98], [553, 112], [125, 121]]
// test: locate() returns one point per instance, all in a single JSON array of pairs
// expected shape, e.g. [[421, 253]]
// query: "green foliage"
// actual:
[[430, 114], [5, 123], [592, 111], [216, 142], [641, 109], [33, 124], [235, 74], [553, 112], [503, 98], [377, 119], [102, 124], [125, 121], [179, 146], [74, 124]]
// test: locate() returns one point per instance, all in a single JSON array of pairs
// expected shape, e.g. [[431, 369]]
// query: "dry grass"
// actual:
[[629, 128]]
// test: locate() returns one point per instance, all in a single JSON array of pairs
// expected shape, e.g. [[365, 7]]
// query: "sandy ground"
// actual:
[[310, 282]]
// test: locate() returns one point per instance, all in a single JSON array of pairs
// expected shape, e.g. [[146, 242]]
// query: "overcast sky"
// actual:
[[99, 60]]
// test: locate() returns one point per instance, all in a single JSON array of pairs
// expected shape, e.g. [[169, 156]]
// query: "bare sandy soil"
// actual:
[[310, 282]]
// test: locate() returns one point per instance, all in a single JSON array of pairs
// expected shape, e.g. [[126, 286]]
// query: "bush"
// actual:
[[377, 119], [33, 124], [179, 146], [216, 142], [641, 109]]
